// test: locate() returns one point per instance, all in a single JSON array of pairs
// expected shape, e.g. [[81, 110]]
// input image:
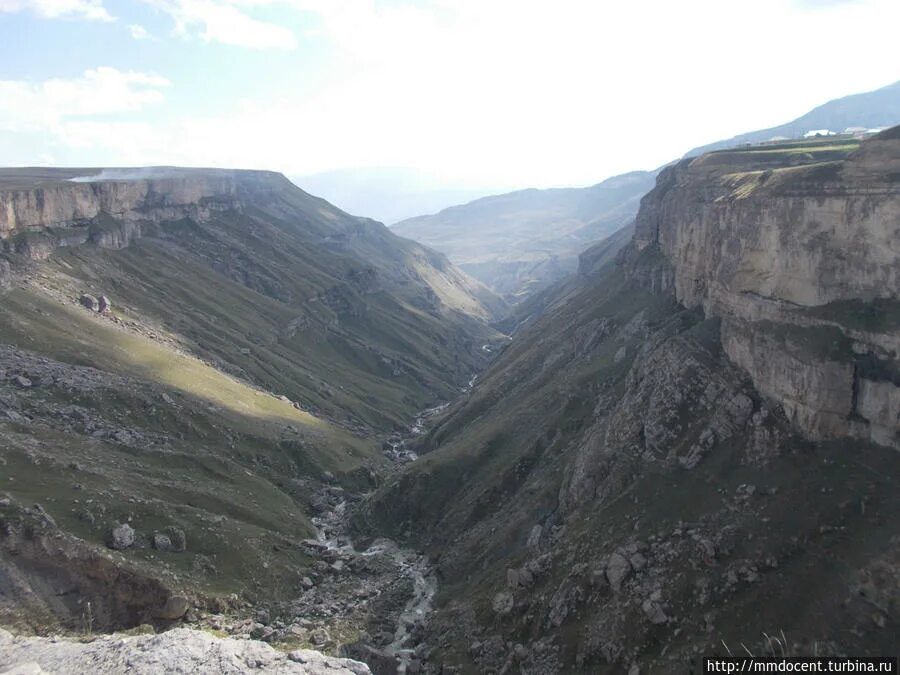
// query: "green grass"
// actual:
[[804, 148], [34, 321], [799, 145], [226, 473], [333, 364]]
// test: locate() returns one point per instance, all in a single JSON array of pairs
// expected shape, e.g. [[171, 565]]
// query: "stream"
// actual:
[[331, 529], [329, 532]]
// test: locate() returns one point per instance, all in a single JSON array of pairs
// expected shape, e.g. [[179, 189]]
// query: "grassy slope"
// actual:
[[181, 424], [521, 398], [222, 292], [220, 463]]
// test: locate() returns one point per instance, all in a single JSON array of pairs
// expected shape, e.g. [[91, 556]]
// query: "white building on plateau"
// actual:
[[812, 133]]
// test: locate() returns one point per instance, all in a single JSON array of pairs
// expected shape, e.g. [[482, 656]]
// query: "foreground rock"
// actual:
[[177, 651]]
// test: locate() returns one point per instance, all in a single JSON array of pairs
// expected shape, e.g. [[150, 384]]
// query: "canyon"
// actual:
[[290, 425], [683, 444]]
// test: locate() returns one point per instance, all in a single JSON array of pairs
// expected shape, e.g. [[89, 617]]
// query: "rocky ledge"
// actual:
[[176, 651]]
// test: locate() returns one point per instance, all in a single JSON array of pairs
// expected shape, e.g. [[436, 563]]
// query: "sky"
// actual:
[[505, 93]]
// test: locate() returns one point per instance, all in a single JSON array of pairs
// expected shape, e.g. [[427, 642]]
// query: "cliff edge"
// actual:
[[796, 247]]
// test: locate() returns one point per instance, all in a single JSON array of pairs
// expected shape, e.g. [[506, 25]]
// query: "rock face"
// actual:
[[176, 651], [795, 256], [133, 196], [56, 208]]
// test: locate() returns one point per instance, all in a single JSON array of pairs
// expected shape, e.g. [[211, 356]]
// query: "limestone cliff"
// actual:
[[797, 249], [71, 207]]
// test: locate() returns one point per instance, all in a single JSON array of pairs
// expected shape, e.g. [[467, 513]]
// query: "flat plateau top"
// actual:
[[28, 177]]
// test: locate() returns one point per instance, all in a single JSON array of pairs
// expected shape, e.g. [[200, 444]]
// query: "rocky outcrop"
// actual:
[[176, 651], [164, 194], [121, 537], [110, 209], [799, 254]]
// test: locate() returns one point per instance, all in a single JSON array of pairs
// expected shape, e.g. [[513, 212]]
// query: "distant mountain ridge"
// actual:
[[520, 242], [872, 109]]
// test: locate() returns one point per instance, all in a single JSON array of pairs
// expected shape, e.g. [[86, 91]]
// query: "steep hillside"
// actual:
[[520, 242], [871, 110], [192, 363], [692, 449], [249, 272]]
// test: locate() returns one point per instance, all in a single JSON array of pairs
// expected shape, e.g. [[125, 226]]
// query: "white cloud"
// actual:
[[48, 105], [506, 92], [89, 10], [215, 21], [138, 32]]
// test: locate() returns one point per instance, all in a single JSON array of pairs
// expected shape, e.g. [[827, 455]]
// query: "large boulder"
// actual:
[[22, 382], [503, 603], [380, 662], [176, 607], [654, 611], [121, 537], [617, 570], [162, 542], [177, 538], [90, 302]]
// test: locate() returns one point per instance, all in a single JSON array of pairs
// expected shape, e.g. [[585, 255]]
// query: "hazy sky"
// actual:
[[484, 92]]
